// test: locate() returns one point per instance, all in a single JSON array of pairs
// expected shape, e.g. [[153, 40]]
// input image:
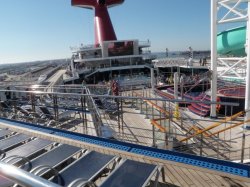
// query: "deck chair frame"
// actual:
[[75, 181], [156, 171]]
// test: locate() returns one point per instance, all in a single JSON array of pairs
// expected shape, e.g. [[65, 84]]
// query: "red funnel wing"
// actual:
[[111, 3], [84, 3]]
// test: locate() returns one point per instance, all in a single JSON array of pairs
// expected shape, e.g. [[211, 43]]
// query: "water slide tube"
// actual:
[[232, 42]]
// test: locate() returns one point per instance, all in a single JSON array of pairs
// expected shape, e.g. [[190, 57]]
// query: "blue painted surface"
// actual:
[[204, 162]]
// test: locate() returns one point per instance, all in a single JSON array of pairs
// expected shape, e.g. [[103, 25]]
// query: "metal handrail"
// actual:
[[42, 168], [124, 97], [98, 115], [23, 177], [13, 157]]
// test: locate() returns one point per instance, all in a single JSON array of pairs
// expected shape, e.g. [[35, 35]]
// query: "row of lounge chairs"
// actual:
[[42, 115], [68, 165]]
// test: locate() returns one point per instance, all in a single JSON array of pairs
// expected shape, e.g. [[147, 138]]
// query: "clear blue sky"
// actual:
[[45, 29]]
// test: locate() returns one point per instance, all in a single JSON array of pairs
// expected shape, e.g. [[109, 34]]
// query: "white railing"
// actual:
[[145, 43]]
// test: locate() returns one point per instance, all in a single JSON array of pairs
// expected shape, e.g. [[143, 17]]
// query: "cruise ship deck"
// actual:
[[103, 120], [133, 126]]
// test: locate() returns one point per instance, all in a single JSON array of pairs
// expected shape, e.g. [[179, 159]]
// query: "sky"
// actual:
[[33, 30]]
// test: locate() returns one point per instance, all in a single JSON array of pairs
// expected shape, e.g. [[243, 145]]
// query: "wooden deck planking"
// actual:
[[223, 181], [194, 179], [171, 176], [183, 175], [136, 128], [126, 135], [179, 177], [217, 181], [206, 178], [197, 176], [234, 182]]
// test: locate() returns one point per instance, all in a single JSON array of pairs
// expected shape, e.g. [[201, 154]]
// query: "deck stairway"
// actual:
[[200, 108]]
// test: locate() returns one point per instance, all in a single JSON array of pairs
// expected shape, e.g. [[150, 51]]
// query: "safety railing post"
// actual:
[[169, 119], [141, 106], [243, 146], [201, 146], [122, 116], [153, 130], [119, 117], [55, 107], [132, 100], [218, 136], [85, 114], [83, 119], [152, 108], [33, 102]]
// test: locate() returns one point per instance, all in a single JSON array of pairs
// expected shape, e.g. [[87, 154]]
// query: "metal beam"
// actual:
[[213, 56], [247, 99]]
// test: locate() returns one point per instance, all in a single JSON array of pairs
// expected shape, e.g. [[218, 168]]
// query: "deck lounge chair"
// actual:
[[8, 143], [46, 113], [63, 117], [84, 169], [24, 113], [4, 133], [6, 110], [14, 156], [132, 173], [4, 106], [46, 162], [51, 159]]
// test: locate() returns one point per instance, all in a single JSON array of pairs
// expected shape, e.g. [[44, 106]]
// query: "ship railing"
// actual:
[[147, 52], [89, 46], [22, 177], [76, 108], [170, 62], [145, 43], [108, 66], [83, 47], [87, 57], [96, 116], [235, 155]]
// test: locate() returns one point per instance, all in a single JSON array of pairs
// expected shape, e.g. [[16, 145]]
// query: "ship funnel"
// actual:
[[104, 30]]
